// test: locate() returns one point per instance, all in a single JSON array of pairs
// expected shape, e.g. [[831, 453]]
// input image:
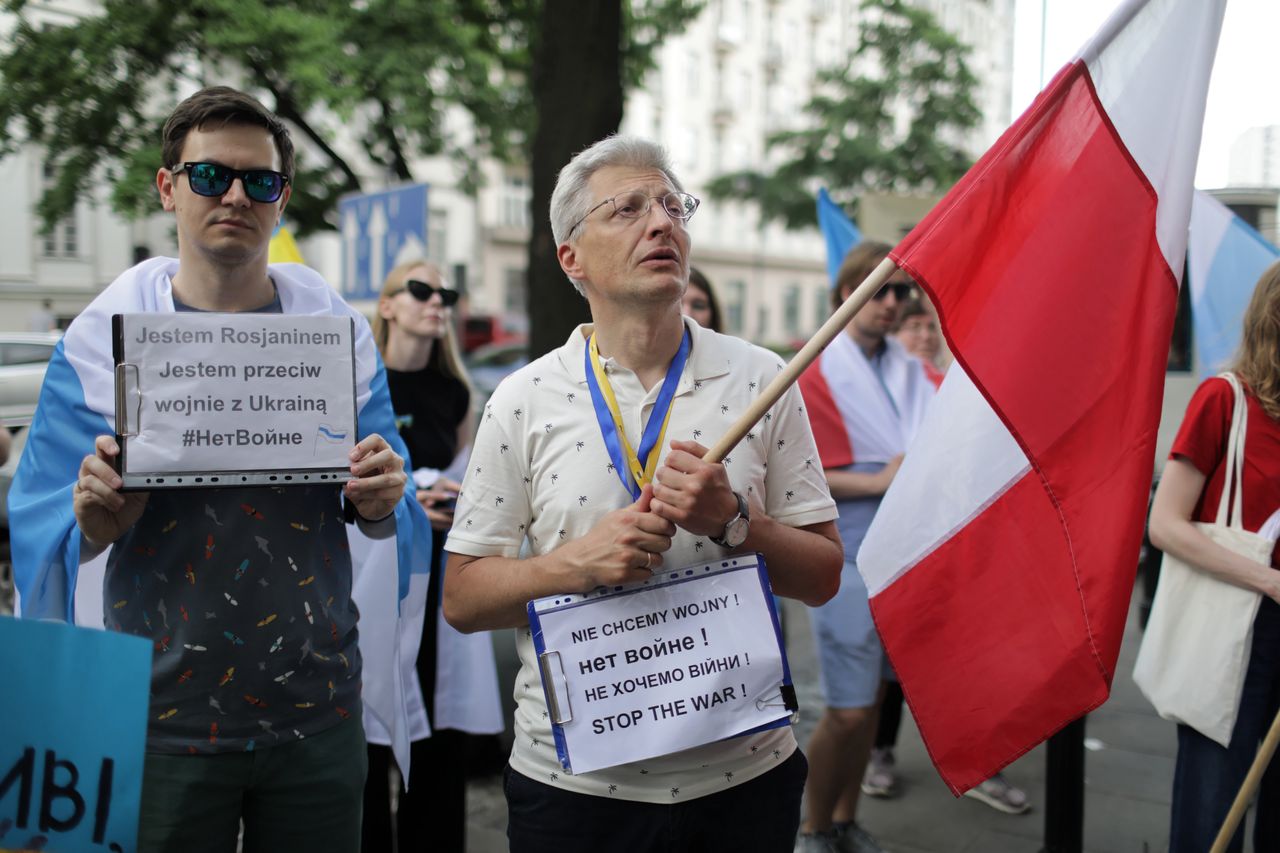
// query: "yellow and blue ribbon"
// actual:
[[634, 469]]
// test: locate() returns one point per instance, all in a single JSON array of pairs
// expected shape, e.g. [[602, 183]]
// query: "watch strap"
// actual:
[[743, 513]]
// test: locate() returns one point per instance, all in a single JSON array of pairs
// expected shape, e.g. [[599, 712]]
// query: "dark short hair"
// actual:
[[216, 107], [858, 264]]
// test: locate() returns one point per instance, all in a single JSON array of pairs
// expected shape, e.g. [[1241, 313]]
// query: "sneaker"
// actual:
[[1000, 795], [851, 838], [880, 780], [816, 842]]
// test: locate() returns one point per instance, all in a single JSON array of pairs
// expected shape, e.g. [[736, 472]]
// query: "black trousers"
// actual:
[[759, 816], [432, 814]]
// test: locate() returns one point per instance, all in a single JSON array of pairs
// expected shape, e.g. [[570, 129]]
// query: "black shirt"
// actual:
[[429, 407]]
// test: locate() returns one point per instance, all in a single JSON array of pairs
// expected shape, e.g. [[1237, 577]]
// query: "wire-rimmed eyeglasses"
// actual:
[[635, 204]]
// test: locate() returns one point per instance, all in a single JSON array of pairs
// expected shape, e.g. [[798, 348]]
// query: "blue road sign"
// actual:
[[378, 231]]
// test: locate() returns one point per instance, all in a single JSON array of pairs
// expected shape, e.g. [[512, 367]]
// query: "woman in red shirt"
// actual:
[[1207, 775]]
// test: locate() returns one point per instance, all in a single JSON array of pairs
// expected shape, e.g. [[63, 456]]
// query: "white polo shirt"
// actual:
[[540, 470]]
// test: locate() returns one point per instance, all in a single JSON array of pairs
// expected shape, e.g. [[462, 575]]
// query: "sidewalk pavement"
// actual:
[[1128, 768]]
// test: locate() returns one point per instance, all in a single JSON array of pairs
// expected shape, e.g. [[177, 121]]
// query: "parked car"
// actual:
[[480, 330], [490, 364], [23, 359]]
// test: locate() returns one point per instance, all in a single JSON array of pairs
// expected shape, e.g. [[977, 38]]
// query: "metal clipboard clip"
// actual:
[[560, 714], [784, 698], [123, 371]]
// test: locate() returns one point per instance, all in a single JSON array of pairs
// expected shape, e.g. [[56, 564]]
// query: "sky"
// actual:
[[1242, 91]]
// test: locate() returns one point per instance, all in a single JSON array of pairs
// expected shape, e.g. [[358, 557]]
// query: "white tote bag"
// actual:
[[1195, 652]]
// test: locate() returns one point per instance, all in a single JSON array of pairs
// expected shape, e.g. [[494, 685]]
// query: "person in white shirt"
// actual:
[[542, 474]]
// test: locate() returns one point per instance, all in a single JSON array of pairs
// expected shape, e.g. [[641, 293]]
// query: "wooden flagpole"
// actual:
[[775, 389], [1250, 786]]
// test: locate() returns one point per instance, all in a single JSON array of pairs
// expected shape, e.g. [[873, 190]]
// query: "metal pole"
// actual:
[[1064, 791], [1044, 24]]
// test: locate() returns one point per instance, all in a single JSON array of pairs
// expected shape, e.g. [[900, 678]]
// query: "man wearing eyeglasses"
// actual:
[[591, 457], [246, 594]]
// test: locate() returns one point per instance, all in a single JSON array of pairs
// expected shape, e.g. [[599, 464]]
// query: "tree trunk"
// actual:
[[577, 95]]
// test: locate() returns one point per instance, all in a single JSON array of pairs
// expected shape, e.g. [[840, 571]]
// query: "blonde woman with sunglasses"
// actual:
[[431, 395]]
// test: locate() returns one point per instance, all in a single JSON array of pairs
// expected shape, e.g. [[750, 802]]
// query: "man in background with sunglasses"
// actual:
[[246, 593], [865, 396], [592, 455]]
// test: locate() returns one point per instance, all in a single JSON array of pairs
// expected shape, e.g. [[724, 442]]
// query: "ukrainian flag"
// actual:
[[283, 249]]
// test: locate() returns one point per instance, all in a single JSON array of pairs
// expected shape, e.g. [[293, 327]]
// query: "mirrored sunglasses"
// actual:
[[214, 180], [423, 292]]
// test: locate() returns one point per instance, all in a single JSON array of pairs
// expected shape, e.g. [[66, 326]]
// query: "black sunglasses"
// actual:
[[423, 292], [900, 290], [214, 180]]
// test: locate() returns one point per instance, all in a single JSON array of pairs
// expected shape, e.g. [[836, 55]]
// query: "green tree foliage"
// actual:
[[94, 91], [890, 119]]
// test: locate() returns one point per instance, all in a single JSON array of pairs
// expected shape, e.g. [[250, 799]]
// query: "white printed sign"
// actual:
[[692, 657], [204, 392]]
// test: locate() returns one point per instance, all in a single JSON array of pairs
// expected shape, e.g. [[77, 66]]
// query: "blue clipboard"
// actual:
[[684, 655]]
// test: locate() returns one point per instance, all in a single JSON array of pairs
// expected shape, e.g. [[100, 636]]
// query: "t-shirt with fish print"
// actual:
[[246, 597]]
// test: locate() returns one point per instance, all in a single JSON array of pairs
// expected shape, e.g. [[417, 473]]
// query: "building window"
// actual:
[[821, 306], [735, 308], [791, 311], [514, 291], [516, 198], [437, 236], [63, 240], [762, 322]]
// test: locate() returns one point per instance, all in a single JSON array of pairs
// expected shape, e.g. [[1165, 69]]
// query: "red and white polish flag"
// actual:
[[1001, 561]]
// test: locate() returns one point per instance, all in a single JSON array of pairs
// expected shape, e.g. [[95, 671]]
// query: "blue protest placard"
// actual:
[[75, 729]]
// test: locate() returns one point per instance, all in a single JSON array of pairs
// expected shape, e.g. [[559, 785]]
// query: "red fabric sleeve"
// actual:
[[1202, 441], [1202, 438]]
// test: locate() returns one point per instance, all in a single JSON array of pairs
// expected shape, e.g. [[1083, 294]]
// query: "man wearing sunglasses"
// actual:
[[865, 397], [246, 594], [549, 470]]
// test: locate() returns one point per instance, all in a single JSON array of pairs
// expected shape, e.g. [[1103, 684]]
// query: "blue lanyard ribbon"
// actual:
[[633, 469]]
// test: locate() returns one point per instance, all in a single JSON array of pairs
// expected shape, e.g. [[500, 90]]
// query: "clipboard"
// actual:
[[689, 657], [208, 400]]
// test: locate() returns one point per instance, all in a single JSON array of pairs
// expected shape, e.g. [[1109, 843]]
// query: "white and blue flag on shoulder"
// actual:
[[77, 404], [1225, 257]]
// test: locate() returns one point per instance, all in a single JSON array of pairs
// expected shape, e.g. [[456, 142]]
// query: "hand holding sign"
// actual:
[[380, 478], [102, 511]]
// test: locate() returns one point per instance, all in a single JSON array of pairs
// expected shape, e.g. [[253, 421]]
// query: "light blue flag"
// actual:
[[841, 234], [1225, 257], [75, 730]]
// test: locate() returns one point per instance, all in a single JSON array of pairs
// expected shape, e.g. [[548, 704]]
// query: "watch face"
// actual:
[[735, 533]]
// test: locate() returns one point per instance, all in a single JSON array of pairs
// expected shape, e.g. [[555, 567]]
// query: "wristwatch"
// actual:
[[735, 532]]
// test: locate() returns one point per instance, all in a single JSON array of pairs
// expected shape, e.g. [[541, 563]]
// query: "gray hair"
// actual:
[[571, 200]]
